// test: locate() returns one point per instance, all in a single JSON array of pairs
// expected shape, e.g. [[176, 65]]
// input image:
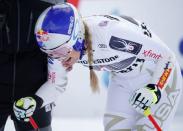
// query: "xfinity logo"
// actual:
[[151, 54], [100, 61]]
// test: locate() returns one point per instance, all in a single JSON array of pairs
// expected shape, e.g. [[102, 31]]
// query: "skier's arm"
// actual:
[[164, 69], [145, 97], [56, 84], [25, 107]]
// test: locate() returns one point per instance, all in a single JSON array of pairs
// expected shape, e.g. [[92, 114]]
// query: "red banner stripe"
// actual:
[[74, 2]]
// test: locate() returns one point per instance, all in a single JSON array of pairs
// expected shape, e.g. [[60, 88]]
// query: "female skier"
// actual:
[[144, 73]]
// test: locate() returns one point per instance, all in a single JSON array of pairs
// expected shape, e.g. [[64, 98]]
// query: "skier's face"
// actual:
[[66, 54], [71, 59]]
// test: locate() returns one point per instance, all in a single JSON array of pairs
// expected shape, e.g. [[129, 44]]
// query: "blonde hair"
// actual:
[[88, 44]]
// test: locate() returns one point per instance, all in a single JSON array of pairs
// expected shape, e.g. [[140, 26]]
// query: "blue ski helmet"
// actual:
[[60, 25]]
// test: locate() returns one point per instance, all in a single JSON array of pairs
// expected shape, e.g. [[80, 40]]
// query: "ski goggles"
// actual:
[[60, 52]]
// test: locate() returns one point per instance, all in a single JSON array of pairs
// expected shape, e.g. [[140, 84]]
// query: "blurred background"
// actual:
[[80, 110]]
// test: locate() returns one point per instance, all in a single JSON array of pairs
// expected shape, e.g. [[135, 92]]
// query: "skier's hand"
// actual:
[[25, 107], [144, 98]]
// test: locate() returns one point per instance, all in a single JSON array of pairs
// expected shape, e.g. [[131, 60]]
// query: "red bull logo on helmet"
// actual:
[[42, 36]]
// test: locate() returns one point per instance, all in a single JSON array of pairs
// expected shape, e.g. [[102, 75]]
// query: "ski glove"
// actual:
[[25, 107], [144, 98]]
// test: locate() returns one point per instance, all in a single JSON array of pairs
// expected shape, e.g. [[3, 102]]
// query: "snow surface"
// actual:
[[85, 124]]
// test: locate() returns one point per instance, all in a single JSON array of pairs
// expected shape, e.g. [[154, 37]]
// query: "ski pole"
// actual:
[[161, 86], [33, 123], [148, 114]]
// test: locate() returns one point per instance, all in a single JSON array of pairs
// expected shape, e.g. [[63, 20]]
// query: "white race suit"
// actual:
[[135, 57]]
